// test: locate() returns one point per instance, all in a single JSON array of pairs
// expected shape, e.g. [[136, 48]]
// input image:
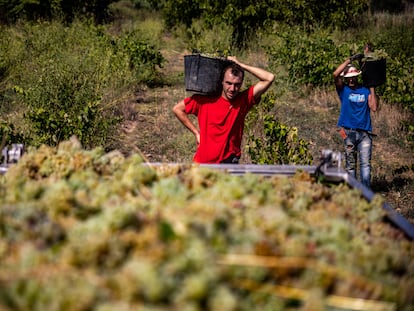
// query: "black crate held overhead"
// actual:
[[203, 74], [374, 72]]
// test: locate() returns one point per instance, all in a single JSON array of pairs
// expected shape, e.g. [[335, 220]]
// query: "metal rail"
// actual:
[[261, 169], [396, 218]]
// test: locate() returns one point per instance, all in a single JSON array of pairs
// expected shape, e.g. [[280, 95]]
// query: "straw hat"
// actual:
[[350, 71]]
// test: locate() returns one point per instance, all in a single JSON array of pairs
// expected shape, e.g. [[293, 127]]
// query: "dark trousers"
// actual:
[[231, 160]]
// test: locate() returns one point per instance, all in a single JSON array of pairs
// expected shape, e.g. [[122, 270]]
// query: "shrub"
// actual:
[[244, 18], [308, 56], [143, 57], [208, 39], [395, 34], [279, 145], [11, 11], [61, 76], [399, 87], [276, 143], [8, 134]]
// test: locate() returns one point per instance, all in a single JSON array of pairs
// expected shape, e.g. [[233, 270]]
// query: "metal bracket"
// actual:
[[331, 170], [10, 156]]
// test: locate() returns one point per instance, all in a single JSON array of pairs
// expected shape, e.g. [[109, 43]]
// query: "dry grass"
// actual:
[[405, 18]]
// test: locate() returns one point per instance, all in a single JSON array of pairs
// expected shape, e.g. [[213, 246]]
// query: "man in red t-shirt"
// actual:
[[221, 119]]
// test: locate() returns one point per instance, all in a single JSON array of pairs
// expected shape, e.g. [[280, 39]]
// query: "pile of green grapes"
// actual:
[[89, 230]]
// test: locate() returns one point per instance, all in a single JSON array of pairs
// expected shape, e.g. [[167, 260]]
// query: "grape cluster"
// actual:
[[88, 230]]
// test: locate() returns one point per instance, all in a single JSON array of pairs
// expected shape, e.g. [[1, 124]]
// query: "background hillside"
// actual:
[[110, 74]]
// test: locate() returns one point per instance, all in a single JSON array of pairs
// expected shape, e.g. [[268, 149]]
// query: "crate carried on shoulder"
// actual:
[[203, 74], [374, 68]]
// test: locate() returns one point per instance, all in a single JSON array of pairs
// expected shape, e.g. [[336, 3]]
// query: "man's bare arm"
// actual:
[[179, 111], [337, 74], [266, 78], [372, 100]]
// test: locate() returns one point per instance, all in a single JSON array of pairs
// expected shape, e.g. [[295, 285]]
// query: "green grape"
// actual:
[[222, 299], [81, 229]]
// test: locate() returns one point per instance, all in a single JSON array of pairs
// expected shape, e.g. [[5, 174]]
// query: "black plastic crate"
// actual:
[[204, 74], [374, 72]]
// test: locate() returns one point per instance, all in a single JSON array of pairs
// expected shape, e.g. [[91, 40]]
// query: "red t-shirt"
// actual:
[[220, 123]]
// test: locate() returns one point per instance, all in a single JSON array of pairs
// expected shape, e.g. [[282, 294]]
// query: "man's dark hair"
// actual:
[[235, 69]]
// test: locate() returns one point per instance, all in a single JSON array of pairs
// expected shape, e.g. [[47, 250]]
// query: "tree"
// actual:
[[244, 17], [11, 11]]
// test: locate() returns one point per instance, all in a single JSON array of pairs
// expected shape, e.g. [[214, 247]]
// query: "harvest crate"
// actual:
[[203, 74], [374, 72]]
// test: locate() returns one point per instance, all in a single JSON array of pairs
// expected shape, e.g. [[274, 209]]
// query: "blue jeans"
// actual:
[[358, 142]]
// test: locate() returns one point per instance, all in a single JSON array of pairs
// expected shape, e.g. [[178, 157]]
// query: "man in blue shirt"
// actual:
[[354, 121]]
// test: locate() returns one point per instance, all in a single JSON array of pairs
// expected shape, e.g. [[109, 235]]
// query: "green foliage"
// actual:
[[63, 85], [408, 127], [60, 75], [181, 12], [308, 56], [208, 39], [391, 6], [277, 143], [244, 18], [280, 145], [399, 87], [8, 134], [32, 10], [143, 56], [325, 13], [396, 37], [150, 4]]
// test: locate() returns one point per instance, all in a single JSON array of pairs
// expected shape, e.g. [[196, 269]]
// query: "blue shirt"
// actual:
[[355, 112]]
